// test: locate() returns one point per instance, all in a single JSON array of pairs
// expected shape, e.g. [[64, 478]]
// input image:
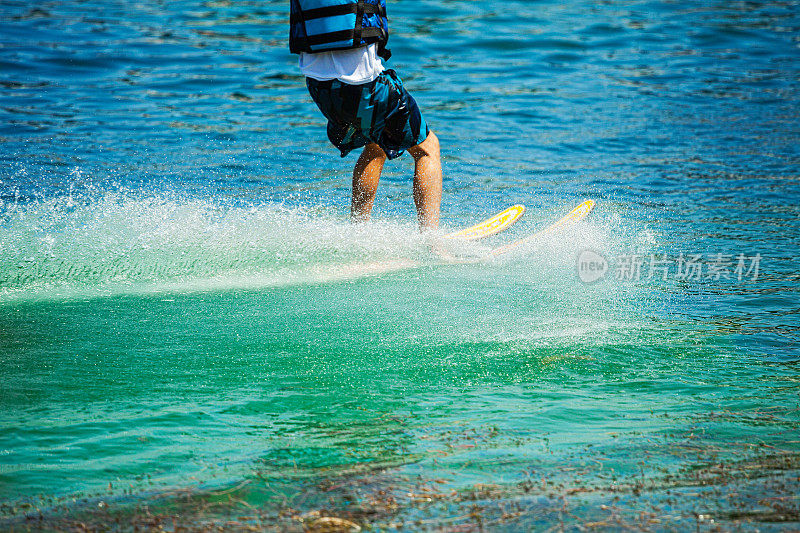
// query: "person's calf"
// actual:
[[427, 181], [366, 176]]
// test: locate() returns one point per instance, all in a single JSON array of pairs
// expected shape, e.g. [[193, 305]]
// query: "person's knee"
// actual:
[[428, 147], [374, 152]]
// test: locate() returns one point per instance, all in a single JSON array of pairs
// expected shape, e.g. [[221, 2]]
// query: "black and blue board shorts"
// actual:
[[381, 112]]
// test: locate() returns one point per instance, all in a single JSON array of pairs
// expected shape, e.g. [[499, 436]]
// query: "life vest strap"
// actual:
[[344, 35]]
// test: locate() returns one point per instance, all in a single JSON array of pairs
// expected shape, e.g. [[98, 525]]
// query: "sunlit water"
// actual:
[[184, 308]]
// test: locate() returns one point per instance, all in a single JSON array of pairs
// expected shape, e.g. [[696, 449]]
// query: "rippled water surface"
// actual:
[[192, 334]]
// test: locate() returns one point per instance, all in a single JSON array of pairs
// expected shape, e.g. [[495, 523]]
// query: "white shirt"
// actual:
[[354, 66]]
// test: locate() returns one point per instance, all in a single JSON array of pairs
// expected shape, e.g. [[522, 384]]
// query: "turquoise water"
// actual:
[[192, 334]]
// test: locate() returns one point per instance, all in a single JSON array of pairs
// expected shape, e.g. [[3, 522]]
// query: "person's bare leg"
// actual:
[[366, 175], [427, 181]]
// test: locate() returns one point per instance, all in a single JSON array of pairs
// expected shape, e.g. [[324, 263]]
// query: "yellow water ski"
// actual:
[[579, 213], [499, 222]]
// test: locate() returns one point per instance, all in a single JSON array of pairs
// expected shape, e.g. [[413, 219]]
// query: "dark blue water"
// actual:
[[188, 321]]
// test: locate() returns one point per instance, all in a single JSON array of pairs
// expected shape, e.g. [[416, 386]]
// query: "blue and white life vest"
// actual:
[[322, 25]]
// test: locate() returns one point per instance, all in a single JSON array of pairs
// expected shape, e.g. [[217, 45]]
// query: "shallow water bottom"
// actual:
[[707, 494]]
